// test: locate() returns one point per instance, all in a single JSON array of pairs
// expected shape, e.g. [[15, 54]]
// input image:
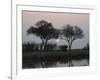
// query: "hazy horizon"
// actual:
[[58, 20]]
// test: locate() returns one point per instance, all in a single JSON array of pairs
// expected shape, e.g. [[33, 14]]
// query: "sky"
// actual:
[[59, 20]]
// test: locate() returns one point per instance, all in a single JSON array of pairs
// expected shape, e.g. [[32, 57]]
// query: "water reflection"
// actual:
[[47, 64]]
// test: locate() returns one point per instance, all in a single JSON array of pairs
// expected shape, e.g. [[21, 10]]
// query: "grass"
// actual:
[[74, 53]]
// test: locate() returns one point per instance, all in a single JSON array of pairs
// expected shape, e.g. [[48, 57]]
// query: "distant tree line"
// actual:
[[32, 47], [29, 47], [86, 47]]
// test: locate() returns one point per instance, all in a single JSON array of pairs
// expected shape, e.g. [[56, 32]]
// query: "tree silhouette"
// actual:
[[70, 34], [86, 47], [50, 47], [28, 47], [45, 31], [63, 47]]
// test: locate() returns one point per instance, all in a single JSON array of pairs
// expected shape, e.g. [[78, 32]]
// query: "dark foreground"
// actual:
[[54, 59]]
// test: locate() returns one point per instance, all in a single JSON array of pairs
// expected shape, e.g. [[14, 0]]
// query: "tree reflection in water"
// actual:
[[47, 64]]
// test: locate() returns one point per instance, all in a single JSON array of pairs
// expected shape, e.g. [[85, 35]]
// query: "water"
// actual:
[[82, 62], [54, 59]]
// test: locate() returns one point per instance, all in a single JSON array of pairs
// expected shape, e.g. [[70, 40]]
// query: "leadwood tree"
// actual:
[[45, 31], [70, 34]]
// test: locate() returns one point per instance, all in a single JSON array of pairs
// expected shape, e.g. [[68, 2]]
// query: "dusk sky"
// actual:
[[58, 20]]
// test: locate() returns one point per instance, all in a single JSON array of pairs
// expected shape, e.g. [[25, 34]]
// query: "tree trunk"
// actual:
[[41, 47], [69, 57], [45, 44]]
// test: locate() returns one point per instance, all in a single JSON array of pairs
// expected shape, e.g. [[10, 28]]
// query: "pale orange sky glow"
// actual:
[[58, 20]]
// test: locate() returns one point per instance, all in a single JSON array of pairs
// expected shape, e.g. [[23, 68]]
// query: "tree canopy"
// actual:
[[71, 33], [44, 30]]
